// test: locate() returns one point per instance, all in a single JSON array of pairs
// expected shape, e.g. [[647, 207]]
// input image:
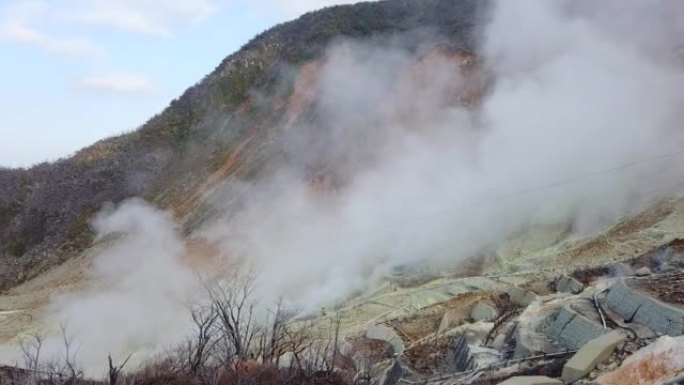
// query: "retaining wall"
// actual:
[[639, 307]]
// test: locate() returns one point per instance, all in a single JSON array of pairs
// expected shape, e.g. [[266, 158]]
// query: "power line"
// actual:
[[526, 191], [558, 183]]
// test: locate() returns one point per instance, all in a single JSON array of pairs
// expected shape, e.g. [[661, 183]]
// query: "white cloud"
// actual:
[[22, 34], [293, 9], [149, 17], [117, 82], [160, 18], [16, 26]]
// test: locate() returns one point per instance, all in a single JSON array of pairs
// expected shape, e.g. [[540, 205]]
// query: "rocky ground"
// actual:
[[537, 307], [538, 312], [486, 330]]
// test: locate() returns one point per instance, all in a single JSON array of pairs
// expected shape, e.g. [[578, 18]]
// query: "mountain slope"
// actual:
[[218, 128]]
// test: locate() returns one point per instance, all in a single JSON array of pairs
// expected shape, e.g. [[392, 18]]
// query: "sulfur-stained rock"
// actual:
[[659, 363]]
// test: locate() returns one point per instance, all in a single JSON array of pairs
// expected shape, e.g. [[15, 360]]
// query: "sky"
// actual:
[[76, 71]]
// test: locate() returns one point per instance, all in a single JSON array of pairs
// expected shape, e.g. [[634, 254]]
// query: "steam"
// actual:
[[143, 296], [582, 101], [429, 183]]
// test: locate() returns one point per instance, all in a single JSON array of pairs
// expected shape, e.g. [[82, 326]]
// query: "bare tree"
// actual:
[[61, 370], [273, 342], [335, 342], [298, 341], [235, 312], [64, 370], [198, 348], [31, 350], [115, 371], [232, 341]]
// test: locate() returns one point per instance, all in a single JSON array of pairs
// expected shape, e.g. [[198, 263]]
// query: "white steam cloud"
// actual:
[[576, 88], [434, 184], [142, 299]]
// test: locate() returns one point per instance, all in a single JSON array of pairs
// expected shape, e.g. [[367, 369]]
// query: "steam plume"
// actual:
[[583, 102]]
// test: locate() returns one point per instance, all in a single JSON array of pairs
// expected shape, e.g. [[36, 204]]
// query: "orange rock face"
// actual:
[[304, 92], [656, 363]]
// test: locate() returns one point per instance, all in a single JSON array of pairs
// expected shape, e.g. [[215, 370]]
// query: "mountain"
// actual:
[[416, 191], [222, 127]]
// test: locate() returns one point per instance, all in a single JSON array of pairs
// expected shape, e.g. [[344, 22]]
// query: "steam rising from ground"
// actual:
[[573, 95], [143, 296], [420, 181]]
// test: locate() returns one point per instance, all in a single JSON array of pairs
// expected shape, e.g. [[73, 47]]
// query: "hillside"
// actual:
[[431, 192], [217, 129]]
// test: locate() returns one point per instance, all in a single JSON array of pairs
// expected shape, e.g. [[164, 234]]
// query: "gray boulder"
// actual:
[[567, 284], [590, 355], [483, 312], [520, 296], [383, 333], [620, 270]]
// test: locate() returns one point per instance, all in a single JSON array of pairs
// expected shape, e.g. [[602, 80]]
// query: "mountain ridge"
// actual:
[[45, 210]]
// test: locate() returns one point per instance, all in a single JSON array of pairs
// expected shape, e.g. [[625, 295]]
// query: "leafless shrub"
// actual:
[[60, 370], [234, 309], [115, 370], [64, 370], [200, 346], [31, 350], [230, 345], [273, 341]]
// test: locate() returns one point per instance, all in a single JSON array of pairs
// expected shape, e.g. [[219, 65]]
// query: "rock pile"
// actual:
[[598, 325]]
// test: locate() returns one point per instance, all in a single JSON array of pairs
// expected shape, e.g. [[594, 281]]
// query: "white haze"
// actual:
[[576, 90], [143, 296], [572, 97]]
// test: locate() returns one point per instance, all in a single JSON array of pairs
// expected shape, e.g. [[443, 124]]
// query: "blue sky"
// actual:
[[75, 71]]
